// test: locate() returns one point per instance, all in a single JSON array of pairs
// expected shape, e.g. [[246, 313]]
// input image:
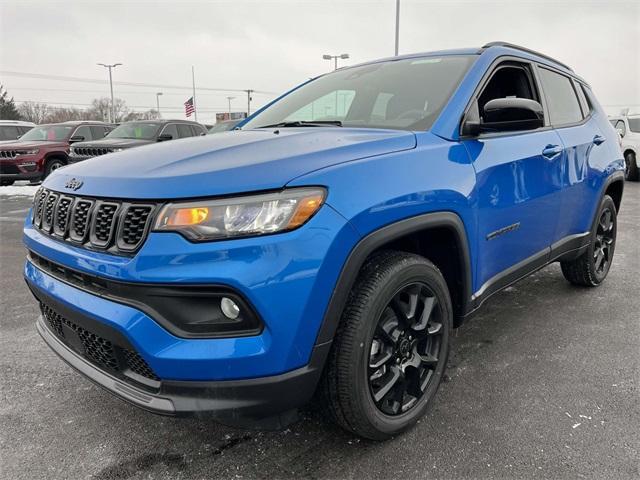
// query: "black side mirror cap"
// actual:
[[164, 137], [510, 114], [76, 138]]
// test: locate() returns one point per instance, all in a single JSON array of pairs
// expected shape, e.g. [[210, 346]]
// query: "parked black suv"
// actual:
[[133, 134]]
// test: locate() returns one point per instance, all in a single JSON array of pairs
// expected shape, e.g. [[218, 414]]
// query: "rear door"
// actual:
[[517, 191], [584, 148]]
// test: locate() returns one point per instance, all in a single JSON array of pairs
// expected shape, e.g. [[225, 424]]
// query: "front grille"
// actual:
[[103, 353], [8, 154], [117, 226], [91, 151], [9, 169]]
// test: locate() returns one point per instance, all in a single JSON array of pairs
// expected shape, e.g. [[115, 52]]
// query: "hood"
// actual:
[[17, 144], [226, 163], [113, 143]]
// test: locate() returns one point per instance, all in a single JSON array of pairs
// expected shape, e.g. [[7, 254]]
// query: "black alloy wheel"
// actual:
[[405, 349], [604, 242]]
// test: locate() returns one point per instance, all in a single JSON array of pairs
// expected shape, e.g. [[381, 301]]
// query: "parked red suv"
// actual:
[[45, 148]]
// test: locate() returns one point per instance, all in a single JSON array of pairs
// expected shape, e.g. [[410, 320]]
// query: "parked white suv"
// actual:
[[12, 129], [628, 126]]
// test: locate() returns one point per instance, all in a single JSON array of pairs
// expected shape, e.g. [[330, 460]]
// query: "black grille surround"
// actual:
[[117, 226], [91, 151], [101, 347]]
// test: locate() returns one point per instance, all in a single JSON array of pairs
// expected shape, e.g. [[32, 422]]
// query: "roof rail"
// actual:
[[528, 50]]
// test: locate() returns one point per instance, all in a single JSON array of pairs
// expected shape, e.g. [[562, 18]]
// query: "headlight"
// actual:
[[28, 152], [114, 150], [241, 216]]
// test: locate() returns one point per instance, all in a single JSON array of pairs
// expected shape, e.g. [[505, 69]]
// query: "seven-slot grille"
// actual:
[[98, 350], [8, 153], [117, 226], [91, 152]]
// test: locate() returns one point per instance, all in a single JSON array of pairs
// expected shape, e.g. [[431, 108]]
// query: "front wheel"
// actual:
[[391, 347], [52, 165], [591, 268]]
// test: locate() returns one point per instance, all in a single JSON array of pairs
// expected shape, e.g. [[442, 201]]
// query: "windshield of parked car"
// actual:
[[45, 133], [634, 124], [405, 94], [135, 130], [223, 126]]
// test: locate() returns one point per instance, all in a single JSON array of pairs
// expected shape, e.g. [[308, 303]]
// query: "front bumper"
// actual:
[[236, 402], [287, 278], [27, 169]]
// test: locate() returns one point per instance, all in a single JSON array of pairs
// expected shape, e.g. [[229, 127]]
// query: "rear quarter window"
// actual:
[[563, 104]]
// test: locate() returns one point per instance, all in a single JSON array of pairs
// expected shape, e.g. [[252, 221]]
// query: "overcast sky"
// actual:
[[273, 45]]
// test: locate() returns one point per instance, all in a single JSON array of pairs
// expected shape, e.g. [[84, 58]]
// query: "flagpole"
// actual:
[[193, 81]]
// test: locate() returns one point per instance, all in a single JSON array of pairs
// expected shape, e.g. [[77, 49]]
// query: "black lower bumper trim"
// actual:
[[236, 402]]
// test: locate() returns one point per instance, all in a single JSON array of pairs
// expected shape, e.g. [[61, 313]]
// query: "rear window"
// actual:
[[563, 104]]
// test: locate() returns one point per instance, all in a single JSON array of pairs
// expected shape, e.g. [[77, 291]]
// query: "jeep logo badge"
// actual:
[[73, 184]]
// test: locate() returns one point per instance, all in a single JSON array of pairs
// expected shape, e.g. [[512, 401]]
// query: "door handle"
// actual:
[[551, 151], [598, 139]]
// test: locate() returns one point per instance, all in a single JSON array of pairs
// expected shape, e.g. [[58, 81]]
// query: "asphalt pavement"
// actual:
[[542, 383]]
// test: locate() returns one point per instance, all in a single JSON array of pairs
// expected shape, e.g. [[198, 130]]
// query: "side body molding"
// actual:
[[375, 240]]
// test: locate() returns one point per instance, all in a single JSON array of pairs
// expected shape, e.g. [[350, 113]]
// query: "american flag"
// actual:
[[188, 107]]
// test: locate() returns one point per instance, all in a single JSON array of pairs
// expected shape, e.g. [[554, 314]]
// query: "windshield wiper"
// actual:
[[304, 123]]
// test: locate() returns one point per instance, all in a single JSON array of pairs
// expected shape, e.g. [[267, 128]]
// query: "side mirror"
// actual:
[[510, 114], [620, 132], [164, 137], [76, 138]]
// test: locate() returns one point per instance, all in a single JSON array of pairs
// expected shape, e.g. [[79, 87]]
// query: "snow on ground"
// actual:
[[19, 189]]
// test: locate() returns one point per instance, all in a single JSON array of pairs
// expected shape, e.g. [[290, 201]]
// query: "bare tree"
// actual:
[[100, 107], [57, 115], [34, 112], [148, 115]]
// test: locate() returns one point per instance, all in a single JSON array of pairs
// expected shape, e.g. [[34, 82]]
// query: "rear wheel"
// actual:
[[391, 348], [592, 267], [631, 167]]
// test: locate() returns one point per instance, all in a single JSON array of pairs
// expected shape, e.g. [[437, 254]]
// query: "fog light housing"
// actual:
[[229, 308]]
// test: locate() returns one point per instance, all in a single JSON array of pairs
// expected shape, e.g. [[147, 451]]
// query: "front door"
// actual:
[[517, 190]]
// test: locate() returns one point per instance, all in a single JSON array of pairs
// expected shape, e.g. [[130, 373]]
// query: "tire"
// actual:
[[6, 183], [631, 167], [591, 268], [51, 165], [352, 377]]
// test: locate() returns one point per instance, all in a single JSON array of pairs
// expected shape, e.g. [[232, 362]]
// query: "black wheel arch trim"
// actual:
[[373, 241]]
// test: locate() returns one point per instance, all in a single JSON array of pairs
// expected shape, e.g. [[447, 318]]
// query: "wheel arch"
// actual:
[[614, 186], [405, 235], [56, 155]]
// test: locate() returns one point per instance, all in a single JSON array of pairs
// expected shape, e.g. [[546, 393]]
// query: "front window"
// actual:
[[405, 94], [45, 133], [634, 124], [136, 131]]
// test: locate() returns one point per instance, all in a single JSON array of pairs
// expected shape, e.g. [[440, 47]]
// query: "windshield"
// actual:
[[634, 124], [140, 131], [402, 94], [48, 133]]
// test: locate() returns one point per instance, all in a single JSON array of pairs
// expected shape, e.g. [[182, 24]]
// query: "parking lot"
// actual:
[[543, 383]]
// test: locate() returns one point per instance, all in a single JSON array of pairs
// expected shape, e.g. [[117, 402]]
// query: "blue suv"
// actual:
[[330, 244]]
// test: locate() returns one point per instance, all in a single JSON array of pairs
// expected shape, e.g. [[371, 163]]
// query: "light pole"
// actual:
[[112, 115], [229, 100], [335, 58], [158, 103], [397, 25]]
